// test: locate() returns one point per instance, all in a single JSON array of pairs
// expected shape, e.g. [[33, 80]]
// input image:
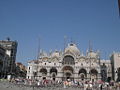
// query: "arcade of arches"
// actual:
[[71, 63], [68, 71]]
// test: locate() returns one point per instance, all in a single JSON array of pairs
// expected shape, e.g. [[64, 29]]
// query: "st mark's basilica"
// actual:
[[70, 64]]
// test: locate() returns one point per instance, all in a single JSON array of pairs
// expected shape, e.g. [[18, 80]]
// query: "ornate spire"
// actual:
[[65, 42], [90, 46], [38, 53]]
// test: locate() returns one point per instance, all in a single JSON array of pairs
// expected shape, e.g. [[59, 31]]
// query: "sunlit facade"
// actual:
[[69, 64]]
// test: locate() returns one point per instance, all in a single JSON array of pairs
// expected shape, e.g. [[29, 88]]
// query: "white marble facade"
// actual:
[[67, 64]]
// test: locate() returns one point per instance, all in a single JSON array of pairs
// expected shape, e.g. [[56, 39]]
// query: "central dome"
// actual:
[[73, 49], [92, 54]]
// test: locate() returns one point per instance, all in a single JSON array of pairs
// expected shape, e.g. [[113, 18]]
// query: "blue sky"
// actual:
[[51, 20]]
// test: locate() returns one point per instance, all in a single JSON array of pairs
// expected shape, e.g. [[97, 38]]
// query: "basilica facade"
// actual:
[[69, 64]]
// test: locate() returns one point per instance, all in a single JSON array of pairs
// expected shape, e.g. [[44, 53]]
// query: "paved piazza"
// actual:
[[5, 85]]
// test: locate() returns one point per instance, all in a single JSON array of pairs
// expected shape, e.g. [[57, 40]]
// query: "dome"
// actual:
[[73, 49], [55, 54], [92, 54]]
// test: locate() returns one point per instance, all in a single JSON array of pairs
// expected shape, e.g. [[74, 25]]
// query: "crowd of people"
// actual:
[[82, 85]]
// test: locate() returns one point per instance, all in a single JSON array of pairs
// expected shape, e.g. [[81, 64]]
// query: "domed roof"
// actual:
[[92, 54], [73, 49], [55, 54]]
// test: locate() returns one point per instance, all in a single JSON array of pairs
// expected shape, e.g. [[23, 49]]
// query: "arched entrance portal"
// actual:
[[82, 74], [43, 73], [67, 73], [93, 75], [53, 73]]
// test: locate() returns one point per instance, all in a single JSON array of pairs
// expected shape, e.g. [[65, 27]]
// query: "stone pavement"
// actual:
[[11, 86], [5, 85]]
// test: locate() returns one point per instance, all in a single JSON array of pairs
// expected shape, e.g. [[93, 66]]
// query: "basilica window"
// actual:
[[68, 60]]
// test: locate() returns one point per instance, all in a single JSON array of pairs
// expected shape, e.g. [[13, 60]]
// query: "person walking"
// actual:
[[101, 86]]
